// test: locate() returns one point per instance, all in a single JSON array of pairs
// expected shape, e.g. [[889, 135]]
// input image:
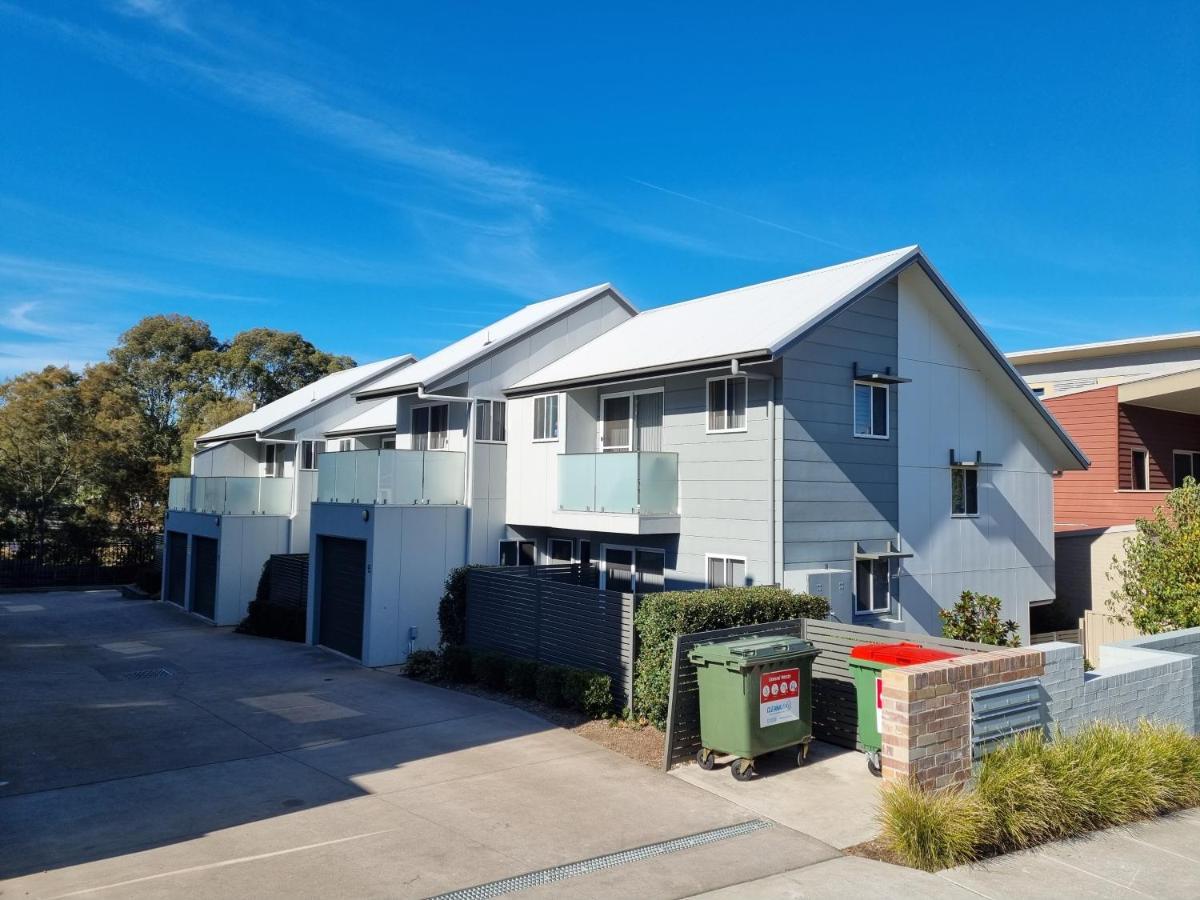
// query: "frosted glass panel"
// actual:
[[444, 472], [577, 481], [616, 482], [658, 479], [213, 494], [343, 481], [275, 496], [179, 493], [366, 475], [326, 476], [406, 484], [241, 496]]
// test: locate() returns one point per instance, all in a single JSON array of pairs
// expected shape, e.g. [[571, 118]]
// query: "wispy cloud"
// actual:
[[169, 14], [744, 215]]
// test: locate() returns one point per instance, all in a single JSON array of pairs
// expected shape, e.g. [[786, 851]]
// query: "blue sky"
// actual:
[[387, 177]]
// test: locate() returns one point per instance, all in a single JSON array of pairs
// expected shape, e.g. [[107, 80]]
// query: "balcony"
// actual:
[[231, 496], [392, 477], [634, 493]]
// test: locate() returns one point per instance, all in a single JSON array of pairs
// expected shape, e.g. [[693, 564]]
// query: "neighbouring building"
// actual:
[[1133, 407], [250, 492], [850, 431]]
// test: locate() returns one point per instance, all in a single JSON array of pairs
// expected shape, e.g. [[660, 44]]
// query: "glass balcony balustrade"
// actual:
[[392, 477], [231, 495], [643, 483]]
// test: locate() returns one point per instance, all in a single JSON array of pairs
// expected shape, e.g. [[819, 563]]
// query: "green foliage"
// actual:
[[976, 617], [452, 608], [662, 616], [1031, 791], [424, 665], [589, 692], [261, 365], [456, 664], [490, 669], [522, 678], [931, 830], [549, 689], [1158, 581]]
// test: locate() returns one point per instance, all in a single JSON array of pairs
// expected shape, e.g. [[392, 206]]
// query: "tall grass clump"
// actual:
[[1031, 790]]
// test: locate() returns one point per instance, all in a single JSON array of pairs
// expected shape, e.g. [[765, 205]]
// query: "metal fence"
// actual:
[[553, 614], [42, 564], [835, 712]]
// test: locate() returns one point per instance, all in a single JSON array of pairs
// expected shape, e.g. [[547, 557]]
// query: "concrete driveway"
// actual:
[[143, 753]]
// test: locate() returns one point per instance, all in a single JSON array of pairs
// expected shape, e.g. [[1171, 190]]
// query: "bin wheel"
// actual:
[[874, 764], [706, 759], [802, 755], [742, 769]]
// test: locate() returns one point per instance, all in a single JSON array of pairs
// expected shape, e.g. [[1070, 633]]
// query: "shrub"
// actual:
[[550, 685], [424, 665], [1018, 788], [148, 580], [589, 692], [452, 608], [456, 664], [976, 617], [522, 678], [662, 616], [931, 830], [490, 669]]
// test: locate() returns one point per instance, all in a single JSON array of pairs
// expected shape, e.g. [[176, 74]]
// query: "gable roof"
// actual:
[[754, 322], [278, 412], [380, 417], [1179, 341], [461, 353], [758, 320]]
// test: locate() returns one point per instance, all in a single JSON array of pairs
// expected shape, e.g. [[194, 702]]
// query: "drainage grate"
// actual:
[[598, 863], [141, 674]]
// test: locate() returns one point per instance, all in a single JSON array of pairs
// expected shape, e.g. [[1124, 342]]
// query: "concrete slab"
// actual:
[[833, 797], [849, 876]]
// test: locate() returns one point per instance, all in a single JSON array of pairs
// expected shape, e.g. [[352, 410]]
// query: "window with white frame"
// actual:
[[560, 550], [964, 491], [727, 404], [388, 443], [273, 455], [1139, 469], [430, 425], [870, 410], [309, 452], [518, 553], [489, 421], [344, 445], [1186, 465], [545, 418], [873, 586], [726, 571]]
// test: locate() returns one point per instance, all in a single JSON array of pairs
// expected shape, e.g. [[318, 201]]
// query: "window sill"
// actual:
[[482, 441], [726, 430], [1146, 491], [964, 515], [872, 437], [552, 440]]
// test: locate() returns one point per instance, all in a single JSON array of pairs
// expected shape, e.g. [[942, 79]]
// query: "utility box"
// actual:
[[835, 585]]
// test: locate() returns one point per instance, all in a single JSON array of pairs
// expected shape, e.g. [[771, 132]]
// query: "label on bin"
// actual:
[[778, 697], [879, 705]]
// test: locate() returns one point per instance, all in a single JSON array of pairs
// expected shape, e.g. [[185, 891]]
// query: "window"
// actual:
[[870, 410], [726, 571], [727, 404], [489, 421], [388, 443], [274, 454], [633, 570], [345, 445], [545, 418], [429, 427], [560, 550], [517, 553], [1187, 463], [964, 492], [1039, 392], [1139, 469], [873, 586], [616, 431], [309, 451]]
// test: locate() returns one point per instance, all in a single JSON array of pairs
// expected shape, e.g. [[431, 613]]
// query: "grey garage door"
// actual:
[[342, 590], [176, 566], [204, 576]]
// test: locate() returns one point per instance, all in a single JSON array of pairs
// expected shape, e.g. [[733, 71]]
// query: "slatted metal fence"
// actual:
[[835, 712], [553, 614], [43, 564]]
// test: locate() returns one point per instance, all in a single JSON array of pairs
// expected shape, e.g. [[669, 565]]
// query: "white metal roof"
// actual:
[[277, 413], [1181, 339], [379, 417], [756, 319], [452, 358]]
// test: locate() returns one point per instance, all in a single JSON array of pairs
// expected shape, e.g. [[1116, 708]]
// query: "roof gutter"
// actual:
[[712, 364]]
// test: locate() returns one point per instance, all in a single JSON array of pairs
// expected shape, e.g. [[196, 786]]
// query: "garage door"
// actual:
[[204, 576], [343, 586], [176, 566]]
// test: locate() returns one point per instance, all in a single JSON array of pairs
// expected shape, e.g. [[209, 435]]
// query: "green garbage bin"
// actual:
[[866, 662], [755, 698]]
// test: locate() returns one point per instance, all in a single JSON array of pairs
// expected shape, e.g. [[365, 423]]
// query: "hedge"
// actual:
[[452, 608], [662, 616]]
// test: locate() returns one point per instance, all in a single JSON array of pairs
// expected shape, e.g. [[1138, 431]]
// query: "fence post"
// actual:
[[537, 617]]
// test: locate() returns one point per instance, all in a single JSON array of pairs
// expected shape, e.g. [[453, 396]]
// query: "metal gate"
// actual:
[[204, 577], [341, 595], [176, 566]]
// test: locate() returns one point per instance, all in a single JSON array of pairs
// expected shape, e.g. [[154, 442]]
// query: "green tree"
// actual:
[[42, 448], [262, 364], [976, 617], [1159, 578]]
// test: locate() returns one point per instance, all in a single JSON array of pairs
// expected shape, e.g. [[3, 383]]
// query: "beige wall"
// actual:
[[1082, 560]]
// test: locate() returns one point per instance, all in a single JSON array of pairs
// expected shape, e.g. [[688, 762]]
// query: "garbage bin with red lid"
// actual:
[[867, 661]]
